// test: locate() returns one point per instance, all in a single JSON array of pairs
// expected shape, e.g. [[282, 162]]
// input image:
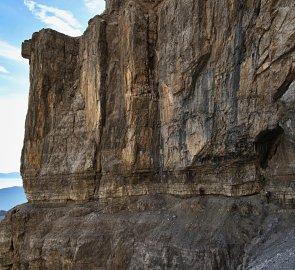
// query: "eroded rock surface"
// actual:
[[187, 98], [148, 232]]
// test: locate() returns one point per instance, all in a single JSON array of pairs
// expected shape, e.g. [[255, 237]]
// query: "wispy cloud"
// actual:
[[3, 70], [57, 19], [10, 52], [95, 6]]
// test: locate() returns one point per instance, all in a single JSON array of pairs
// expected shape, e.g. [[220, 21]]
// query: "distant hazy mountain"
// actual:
[[2, 214], [12, 179], [10, 175], [12, 196]]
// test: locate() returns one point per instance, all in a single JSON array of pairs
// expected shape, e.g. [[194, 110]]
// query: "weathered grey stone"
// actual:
[[186, 98], [148, 232]]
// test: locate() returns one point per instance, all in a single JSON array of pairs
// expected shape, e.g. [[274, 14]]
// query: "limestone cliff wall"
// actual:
[[135, 127], [173, 97]]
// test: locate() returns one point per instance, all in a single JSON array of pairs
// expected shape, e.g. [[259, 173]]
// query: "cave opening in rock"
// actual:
[[266, 144]]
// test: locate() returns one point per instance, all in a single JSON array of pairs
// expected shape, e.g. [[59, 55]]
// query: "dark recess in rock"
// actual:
[[266, 144]]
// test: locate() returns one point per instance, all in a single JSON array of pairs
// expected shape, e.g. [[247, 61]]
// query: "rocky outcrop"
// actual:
[[149, 232], [151, 101], [184, 98]]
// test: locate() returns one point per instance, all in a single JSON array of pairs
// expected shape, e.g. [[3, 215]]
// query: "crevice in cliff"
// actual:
[[284, 86], [103, 53], [152, 39], [197, 68], [238, 58], [11, 246], [266, 144]]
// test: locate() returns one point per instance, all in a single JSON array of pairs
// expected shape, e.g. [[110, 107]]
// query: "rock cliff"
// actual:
[[151, 140]]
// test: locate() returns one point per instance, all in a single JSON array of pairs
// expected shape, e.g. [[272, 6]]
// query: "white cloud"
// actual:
[[95, 6], [57, 19], [11, 52], [12, 121], [30, 4], [3, 70]]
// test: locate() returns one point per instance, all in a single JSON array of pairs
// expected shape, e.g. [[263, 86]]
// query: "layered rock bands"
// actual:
[[158, 98]]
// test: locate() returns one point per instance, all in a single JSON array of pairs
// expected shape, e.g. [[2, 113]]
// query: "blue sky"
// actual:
[[18, 20]]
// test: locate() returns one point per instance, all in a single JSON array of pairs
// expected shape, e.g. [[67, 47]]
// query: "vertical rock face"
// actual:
[[163, 97], [160, 98]]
